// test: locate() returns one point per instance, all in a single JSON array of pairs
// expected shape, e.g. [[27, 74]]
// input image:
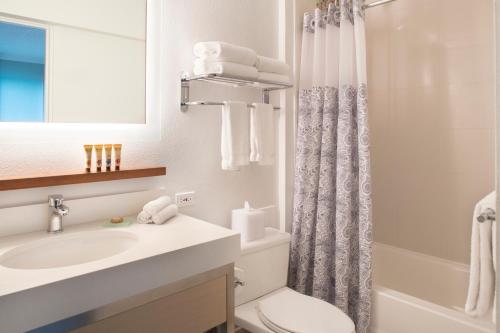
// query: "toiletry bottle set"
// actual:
[[107, 148]]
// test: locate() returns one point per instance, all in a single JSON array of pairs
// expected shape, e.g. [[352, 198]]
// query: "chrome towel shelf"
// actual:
[[233, 81]]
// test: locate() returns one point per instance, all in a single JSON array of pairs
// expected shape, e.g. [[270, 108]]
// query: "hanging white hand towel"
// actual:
[[482, 277], [262, 136], [235, 140], [270, 65], [203, 66], [221, 51]]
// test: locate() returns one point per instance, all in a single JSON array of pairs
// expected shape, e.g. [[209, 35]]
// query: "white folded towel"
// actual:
[[482, 276], [156, 205], [144, 218], [203, 66], [221, 51], [262, 134], [165, 214], [159, 217], [264, 76], [235, 147], [270, 65]]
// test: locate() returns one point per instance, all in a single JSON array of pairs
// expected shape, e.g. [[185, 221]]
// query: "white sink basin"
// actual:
[[66, 250]]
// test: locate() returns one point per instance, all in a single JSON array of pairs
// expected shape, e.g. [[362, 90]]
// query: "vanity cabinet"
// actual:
[[193, 305]]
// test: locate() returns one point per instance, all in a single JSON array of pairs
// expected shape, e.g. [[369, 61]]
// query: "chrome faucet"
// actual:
[[57, 211]]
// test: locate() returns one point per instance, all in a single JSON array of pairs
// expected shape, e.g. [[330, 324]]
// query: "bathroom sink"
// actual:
[[67, 250]]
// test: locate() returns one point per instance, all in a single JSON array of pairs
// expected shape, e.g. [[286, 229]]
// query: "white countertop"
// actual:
[[182, 247]]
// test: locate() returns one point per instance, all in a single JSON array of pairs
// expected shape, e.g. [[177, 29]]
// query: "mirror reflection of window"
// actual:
[[22, 72]]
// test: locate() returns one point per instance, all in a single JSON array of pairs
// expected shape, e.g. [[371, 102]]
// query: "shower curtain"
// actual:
[[330, 255]]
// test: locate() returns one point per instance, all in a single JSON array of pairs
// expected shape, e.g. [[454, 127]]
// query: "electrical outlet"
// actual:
[[184, 199]]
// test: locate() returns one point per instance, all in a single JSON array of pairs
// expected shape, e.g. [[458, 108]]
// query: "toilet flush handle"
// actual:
[[238, 283]]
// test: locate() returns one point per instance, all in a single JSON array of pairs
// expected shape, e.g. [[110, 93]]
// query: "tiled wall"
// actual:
[[431, 99]]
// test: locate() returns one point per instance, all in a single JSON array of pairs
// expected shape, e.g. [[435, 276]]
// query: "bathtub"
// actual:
[[417, 293]]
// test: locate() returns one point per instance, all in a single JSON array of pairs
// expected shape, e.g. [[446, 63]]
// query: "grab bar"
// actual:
[[488, 215]]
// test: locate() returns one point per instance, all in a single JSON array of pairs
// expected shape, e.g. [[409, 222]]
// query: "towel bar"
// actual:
[[487, 215], [215, 103]]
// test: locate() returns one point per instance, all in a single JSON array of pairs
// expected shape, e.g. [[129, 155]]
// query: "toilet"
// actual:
[[263, 302]]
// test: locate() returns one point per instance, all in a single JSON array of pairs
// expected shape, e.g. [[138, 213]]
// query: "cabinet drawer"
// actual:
[[192, 310]]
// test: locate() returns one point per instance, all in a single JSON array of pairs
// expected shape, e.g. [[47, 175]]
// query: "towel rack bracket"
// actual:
[[265, 96], [184, 95], [488, 215]]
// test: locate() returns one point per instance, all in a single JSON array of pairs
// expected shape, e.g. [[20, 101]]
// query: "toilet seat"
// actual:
[[285, 311]]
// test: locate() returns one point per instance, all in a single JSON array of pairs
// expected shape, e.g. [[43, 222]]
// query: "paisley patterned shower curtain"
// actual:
[[330, 256]]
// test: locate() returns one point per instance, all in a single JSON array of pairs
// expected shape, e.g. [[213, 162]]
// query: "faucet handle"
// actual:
[[56, 200]]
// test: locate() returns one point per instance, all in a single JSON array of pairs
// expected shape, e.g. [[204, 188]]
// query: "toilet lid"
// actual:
[[288, 311]]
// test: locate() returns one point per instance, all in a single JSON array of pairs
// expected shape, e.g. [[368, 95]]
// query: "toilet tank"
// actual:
[[262, 266]]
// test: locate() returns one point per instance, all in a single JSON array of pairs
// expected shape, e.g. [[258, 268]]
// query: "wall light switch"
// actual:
[[184, 199]]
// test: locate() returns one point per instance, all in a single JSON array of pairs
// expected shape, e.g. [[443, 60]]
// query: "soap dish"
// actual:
[[127, 222]]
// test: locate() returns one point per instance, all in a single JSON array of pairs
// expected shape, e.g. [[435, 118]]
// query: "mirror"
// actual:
[[80, 61]]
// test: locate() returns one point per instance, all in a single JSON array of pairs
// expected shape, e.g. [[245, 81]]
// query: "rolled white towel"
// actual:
[[165, 214], [222, 51], [202, 67], [144, 218], [270, 65], [264, 76], [156, 205]]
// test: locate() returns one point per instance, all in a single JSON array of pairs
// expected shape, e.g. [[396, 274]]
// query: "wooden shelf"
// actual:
[[79, 178]]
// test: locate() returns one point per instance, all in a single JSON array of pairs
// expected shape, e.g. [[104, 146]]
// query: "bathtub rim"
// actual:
[[451, 313], [421, 304]]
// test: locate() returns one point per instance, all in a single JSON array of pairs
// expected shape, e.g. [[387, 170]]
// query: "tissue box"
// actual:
[[249, 222]]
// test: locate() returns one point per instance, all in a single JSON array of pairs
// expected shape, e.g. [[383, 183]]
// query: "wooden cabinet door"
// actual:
[[193, 310]]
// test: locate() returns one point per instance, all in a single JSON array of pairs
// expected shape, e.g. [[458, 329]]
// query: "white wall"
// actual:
[[497, 140], [118, 17], [92, 47], [83, 65], [190, 142]]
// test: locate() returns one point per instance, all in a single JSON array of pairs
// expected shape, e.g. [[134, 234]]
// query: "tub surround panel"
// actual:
[[431, 102], [497, 140]]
